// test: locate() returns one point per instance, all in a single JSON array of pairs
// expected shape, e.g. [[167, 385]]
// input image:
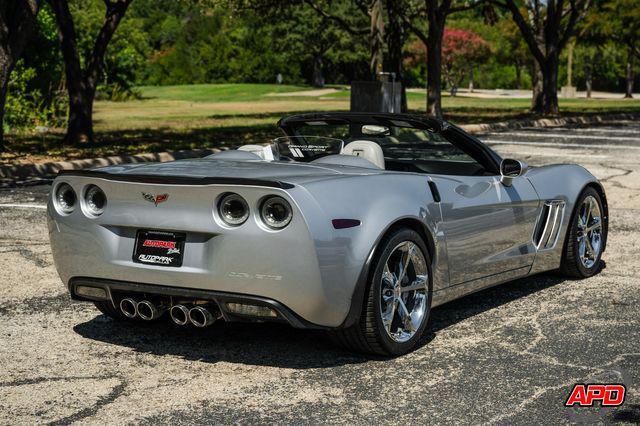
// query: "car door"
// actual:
[[488, 226]]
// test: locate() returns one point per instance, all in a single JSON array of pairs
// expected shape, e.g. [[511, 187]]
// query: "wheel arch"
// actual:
[[358, 297]]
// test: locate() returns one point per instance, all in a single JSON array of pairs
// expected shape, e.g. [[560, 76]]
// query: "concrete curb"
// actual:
[[30, 171], [25, 171], [545, 122]]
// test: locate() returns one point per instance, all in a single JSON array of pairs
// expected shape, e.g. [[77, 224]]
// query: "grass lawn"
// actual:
[[219, 115]]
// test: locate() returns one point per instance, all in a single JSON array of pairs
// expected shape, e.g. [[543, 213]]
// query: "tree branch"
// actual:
[[473, 5], [527, 34], [417, 31], [344, 24], [115, 13]]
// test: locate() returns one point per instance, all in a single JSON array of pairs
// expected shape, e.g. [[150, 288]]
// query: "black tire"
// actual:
[[571, 265], [368, 334]]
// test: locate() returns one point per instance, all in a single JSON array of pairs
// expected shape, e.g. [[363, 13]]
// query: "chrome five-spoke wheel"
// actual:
[[404, 288], [586, 236], [589, 232], [397, 301]]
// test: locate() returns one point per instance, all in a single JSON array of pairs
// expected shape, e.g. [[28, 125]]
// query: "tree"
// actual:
[[619, 20], [17, 21], [387, 25], [82, 83], [461, 50], [546, 27], [437, 12]]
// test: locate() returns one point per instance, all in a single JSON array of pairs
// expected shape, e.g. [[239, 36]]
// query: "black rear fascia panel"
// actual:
[[219, 297]]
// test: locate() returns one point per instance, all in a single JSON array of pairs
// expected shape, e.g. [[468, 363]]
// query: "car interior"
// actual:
[[403, 149]]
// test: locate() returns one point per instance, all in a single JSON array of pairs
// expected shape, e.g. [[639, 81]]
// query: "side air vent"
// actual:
[[549, 224]]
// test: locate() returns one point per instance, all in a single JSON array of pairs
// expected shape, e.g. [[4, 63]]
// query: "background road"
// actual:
[[505, 355]]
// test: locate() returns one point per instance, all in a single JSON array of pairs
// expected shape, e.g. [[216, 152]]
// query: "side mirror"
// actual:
[[511, 169]]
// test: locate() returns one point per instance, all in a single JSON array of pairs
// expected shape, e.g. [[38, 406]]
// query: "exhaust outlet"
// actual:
[[148, 311], [180, 314], [200, 316], [129, 307]]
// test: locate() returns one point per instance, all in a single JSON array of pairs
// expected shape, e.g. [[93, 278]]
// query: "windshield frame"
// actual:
[[471, 146]]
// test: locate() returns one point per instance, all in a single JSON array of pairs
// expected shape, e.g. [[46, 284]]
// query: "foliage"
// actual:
[[461, 51], [28, 108], [126, 54]]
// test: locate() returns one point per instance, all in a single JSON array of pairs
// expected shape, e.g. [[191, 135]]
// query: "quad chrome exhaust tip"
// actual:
[[129, 307], [201, 317], [148, 311], [180, 314]]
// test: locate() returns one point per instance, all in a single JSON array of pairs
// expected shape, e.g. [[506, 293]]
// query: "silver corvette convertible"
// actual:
[[355, 223]]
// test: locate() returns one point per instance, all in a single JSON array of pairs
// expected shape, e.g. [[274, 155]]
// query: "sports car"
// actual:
[[354, 223]]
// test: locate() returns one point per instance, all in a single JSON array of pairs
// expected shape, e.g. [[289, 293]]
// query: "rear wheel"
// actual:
[[398, 298], [586, 237]]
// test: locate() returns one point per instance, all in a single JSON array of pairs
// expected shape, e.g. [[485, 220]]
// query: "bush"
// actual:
[[25, 109]]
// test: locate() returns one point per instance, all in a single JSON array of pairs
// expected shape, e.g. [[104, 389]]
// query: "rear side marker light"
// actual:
[[251, 310], [345, 223], [92, 292]]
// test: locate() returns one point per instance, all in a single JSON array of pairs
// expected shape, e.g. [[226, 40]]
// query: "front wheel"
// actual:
[[398, 298], [586, 237]]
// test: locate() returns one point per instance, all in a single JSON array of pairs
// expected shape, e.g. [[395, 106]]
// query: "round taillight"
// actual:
[[233, 209], [95, 200], [276, 212], [65, 198]]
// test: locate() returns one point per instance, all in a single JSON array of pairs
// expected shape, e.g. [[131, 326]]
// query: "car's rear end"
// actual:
[[227, 245]]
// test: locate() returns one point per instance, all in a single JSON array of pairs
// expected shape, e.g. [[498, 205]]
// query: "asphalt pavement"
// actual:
[[507, 355]]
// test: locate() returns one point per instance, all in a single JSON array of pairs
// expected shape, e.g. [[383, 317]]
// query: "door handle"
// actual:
[[434, 191]]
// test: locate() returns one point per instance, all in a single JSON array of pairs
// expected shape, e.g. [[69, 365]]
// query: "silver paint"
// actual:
[[481, 232]]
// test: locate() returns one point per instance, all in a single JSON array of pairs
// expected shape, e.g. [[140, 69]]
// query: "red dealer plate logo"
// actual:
[[159, 248]]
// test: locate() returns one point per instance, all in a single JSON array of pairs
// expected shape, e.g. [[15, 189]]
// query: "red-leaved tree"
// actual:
[[461, 51]]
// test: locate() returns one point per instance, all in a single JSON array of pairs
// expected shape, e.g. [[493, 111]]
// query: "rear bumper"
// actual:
[[220, 298], [307, 266]]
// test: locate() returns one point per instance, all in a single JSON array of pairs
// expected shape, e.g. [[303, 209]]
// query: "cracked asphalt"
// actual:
[[507, 355]]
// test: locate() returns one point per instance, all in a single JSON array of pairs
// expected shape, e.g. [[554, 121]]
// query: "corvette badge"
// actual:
[[160, 198]]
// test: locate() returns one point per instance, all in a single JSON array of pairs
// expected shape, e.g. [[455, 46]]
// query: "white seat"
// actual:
[[261, 151], [366, 149]]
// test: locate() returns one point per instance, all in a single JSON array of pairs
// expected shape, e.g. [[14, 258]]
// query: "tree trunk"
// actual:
[[80, 126], [516, 63], [589, 80], [471, 80], [536, 86], [550, 85], [396, 35], [434, 61], [4, 85], [82, 85], [318, 77], [628, 94], [17, 20]]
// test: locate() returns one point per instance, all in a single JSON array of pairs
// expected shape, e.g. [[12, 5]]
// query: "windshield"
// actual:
[[306, 148], [397, 143]]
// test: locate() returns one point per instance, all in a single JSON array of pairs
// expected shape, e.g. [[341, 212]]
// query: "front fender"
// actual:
[[561, 182]]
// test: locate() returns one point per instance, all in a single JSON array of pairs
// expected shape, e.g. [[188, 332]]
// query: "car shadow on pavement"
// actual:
[[279, 345]]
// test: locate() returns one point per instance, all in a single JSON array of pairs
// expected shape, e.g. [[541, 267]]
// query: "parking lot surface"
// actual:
[[507, 355]]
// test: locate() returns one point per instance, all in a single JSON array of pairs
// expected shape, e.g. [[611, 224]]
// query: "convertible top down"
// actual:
[[357, 223]]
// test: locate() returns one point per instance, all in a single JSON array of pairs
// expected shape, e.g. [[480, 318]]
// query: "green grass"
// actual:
[[218, 115], [217, 92]]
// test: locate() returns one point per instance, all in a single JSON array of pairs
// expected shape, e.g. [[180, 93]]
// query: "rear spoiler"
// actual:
[[175, 179]]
